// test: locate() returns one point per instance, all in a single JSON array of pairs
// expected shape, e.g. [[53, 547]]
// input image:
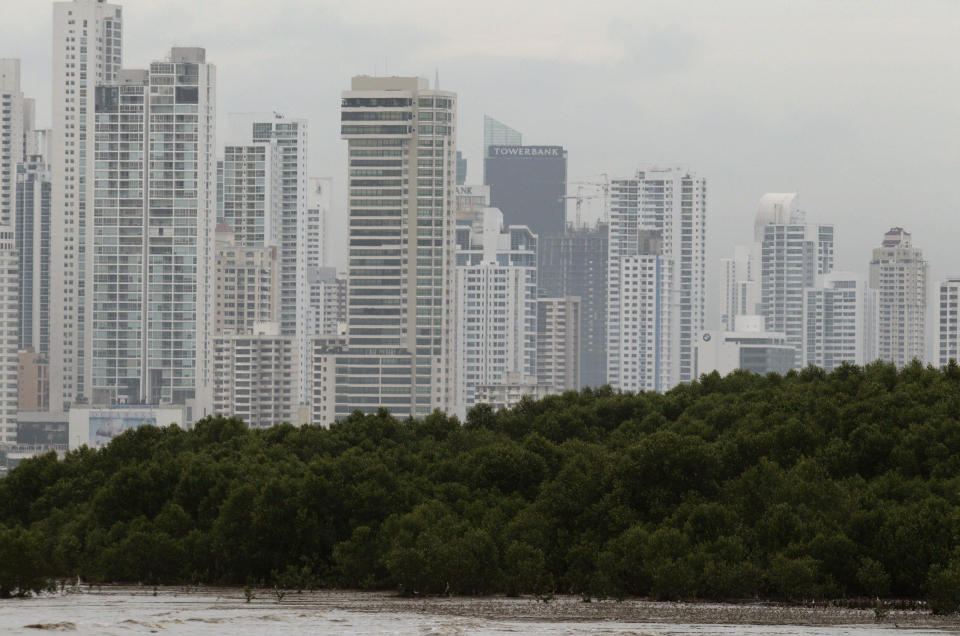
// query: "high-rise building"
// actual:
[[839, 321], [497, 133], [9, 359], [32, 231], [948, 335], [741, 284], [529, 185], [12, 136], [575, 264], [792, 254], [496, 283], [86, 52], [461, 168], [401, 139], [245, 285], [898, 273], [33, 393], [659, 215], [558, 344], [247, 180], [257, 376], [317, 253], [152, 235], [327, 300]]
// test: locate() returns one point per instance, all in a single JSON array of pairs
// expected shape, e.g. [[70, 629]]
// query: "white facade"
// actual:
[[840, 317], [12, 136], [319, 191], [558, 343], [792, 254], [86, 52], [748, 347], [323, 386], [152, 257], [741, 284], [9, 360], [401, 139], [496, 283], [948, 334], [327, 313], [899, 275], [257, 377], [246, 285], [669, 205], [32, 230], [507, 393]]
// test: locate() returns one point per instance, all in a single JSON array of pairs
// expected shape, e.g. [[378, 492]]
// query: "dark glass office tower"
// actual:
[[575, 264], [528, 184]]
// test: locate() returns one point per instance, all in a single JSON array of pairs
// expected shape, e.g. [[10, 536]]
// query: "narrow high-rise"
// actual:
[[792, 254], [948, 335], [152, 235], [12, 136], [575, 264], [401, 140], [87, 45], [899, 273], [663, 210], [496, 283], [839, 321]]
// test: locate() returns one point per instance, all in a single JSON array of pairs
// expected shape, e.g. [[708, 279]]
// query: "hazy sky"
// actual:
[[855, 105]]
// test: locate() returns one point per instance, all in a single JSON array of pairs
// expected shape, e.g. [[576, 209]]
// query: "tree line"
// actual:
[[780, 487]]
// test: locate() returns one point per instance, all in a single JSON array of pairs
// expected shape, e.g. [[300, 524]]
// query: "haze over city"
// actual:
[[850, 104]]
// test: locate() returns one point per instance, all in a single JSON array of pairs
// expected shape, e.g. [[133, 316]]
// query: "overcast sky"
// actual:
[[855, 105]]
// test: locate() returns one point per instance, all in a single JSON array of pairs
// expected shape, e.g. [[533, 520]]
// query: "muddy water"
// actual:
[[125, 611]]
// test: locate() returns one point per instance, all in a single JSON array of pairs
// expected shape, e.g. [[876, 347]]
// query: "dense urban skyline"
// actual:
[[758, 97]]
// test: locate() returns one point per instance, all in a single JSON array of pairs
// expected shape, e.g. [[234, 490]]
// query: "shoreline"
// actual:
[[562, 608]]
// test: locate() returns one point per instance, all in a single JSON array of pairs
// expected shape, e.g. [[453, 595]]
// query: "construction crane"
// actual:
[[602, 190]]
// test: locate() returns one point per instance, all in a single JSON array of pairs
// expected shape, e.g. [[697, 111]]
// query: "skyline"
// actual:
[[846, 106]]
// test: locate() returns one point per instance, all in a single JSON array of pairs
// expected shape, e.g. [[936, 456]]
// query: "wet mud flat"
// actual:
[[219, 610]]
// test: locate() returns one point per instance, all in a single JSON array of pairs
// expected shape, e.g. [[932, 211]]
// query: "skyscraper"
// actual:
[[558, 344], [741, 284], [497, 133], [899, 275], [319, 191], [948, 335], [32, 231], [401, 139], [86, 52], [659, 215], [792, 254], [9, 390], [245, 288], [153, 244], [575, 264], [12, 136], [839, 321], [496, 290], [529, 185]]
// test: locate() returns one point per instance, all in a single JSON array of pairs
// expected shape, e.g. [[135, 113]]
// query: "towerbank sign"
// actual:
[[526, 151]]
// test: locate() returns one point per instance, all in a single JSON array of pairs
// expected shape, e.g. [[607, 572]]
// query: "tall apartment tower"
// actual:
[[401, 139], [792, 254], [575, 264], [948, 335], [496, 283], [839, 321], [152, 235], [558, 346], [667, 208], [86, 52], [246, 285], [32, 231], [12, 136], [9, 359], [497, 133], [899, 275], [328, 301], [741, 284], [317, 253]]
